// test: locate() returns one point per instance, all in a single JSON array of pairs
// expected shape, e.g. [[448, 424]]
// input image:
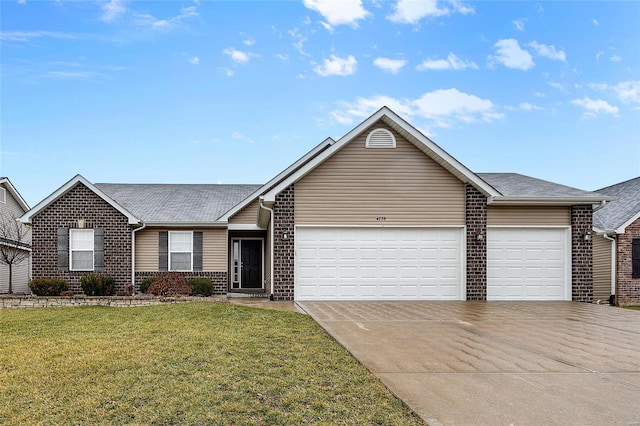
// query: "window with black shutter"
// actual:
[[635, 256]]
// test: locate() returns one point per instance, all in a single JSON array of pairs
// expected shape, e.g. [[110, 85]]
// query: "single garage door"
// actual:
[[527, 264], [378, 264]]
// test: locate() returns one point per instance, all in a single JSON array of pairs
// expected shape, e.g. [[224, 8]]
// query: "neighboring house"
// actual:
[[382, 213], [12, 207], [616, 246]]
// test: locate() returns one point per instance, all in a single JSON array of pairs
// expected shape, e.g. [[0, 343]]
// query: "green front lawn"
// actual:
[[191, 363]]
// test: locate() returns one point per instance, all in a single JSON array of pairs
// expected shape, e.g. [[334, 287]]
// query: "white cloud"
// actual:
[[556, 85], [615, 58], [282, 56], [598, 55], [25, 36], [451, 63], [594, 107], [299, 41], [442, 108], [194, 60], [151, 22], [525, 106], [511, 55], [343, 12], [412, 11], [237, 56], [337, 66], [595, 22], [548, 51], [249, 42], [626, 91], [519, 24], [22, 1], [112, 9], [390, 65]]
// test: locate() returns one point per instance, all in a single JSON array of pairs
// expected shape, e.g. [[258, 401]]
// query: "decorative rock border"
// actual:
[[11, 302]]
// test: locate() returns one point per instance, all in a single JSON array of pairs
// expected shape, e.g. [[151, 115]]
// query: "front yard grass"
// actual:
[[191, 363]]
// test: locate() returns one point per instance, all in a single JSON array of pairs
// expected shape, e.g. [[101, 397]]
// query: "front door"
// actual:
[[251, 255]]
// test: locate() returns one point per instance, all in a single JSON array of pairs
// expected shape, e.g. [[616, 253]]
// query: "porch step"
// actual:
[[249, 295]]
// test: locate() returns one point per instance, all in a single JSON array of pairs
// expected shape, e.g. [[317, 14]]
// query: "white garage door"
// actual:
[[378, 264], [527, 264]]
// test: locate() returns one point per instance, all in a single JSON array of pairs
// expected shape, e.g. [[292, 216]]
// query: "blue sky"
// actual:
[[233, 92]]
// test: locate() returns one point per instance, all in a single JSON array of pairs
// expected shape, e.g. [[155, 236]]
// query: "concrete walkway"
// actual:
[[497, 363]]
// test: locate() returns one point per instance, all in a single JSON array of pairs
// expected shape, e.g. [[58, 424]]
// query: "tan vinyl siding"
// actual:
[[357, 185], [601, 268], [528, 216], [248, 215], [214, 249]]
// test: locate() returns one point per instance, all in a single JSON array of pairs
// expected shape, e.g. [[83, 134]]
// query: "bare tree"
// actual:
[[14, 244]]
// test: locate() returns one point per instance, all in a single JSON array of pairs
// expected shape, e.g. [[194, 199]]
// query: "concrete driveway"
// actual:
[[497, 363]]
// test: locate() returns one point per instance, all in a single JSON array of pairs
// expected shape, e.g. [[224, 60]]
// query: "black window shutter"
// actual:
[[197, 251], [163, 251], [98, 249], [635, 256], [63, 249]]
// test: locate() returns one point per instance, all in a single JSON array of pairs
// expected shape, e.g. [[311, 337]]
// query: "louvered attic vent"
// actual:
[[380, 138]]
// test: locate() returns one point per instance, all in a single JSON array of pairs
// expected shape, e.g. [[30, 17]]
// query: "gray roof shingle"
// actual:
[[517, 185], [625, 205], [177, 202]]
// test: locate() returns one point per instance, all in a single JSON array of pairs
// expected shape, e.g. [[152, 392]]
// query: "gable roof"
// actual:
[[76, 180], [515, 188], [177, 203], [410, 133], [4, 181], [315, 151], [624, 210]]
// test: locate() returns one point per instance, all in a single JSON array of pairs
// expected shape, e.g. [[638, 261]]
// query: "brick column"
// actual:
[[581, 254], [627, 287], [476, 221], [283, 249]]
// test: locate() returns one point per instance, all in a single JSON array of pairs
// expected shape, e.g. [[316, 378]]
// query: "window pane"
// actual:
[[180, 262], [180, 241], [81, 239], [82, 260]]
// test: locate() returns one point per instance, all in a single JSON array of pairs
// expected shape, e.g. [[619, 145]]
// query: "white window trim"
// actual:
[[169, 251], [71, 250], [3, 196]]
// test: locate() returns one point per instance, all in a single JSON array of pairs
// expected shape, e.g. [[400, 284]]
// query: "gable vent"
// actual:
[[380, 138]]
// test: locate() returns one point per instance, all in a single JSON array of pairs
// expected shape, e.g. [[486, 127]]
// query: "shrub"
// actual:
[[144, 284], [48, 286], [170, 284], [97, 285], [66, 293], [201, 286]]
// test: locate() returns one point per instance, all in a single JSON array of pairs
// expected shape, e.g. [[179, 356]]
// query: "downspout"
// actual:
[[613, 268], [133, 257], [271, 256]]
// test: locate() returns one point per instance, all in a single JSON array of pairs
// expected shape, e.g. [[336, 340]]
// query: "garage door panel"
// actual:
[[527, 264], [380, 263]]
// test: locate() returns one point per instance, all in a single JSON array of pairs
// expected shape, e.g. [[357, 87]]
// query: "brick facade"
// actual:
[[80, 203], [476, 223], [581, 254], [218, 278], [283, 261], [627, 288]]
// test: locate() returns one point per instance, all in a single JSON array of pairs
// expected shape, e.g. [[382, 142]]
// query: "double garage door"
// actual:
[[426, 264]]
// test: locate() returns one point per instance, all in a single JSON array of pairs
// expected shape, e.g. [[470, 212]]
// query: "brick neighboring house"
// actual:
[[616, 246], [382, 213]]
